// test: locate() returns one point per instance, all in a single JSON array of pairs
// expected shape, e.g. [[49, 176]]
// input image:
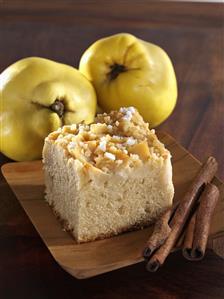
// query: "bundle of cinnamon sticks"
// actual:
[[189, 219]]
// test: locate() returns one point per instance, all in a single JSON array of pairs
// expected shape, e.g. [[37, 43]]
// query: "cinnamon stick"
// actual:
[[198, 228], [205, 175], [189, 238], [208, 201], [161, 231]]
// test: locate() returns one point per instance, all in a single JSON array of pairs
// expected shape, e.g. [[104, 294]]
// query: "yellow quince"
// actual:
[[127, 71], [38, 96]]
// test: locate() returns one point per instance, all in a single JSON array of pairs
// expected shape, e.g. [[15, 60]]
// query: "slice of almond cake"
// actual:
[[108, 177]]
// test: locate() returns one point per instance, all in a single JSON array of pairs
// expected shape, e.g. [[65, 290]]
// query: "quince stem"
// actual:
[[58, 107], [116, 69]]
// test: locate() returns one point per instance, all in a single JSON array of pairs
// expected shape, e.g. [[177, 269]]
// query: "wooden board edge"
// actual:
[[215, 241]]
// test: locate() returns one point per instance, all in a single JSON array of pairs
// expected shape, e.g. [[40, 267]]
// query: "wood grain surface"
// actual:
[[192, 34]]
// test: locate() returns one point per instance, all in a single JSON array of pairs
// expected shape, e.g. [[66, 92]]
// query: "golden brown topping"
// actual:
[[141, 149], [113, 141]]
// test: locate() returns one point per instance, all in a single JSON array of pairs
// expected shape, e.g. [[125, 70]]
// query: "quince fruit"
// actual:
[[38, 96], [127, 71]]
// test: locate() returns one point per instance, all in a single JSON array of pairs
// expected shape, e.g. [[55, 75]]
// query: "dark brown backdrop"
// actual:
[[192, 34]]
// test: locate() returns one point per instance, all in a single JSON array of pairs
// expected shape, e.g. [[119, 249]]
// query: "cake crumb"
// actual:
[[131, 141], [71, 145], [110, 156], [103, 145]]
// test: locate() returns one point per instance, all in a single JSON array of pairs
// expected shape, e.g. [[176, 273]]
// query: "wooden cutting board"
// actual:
[[93, 258]]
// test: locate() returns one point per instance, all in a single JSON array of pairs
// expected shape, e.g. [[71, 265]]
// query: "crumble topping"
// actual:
[[114, 140], [110, 156]]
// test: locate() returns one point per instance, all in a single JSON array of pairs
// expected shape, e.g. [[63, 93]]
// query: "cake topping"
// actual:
[[110, 156], [103, 145], [71, 145], [110, 128], [128, 112], [131, 141], [73, 127], [114, 140]]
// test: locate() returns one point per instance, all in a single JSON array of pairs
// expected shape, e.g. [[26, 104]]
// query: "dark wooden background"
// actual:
[[193, 36]]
